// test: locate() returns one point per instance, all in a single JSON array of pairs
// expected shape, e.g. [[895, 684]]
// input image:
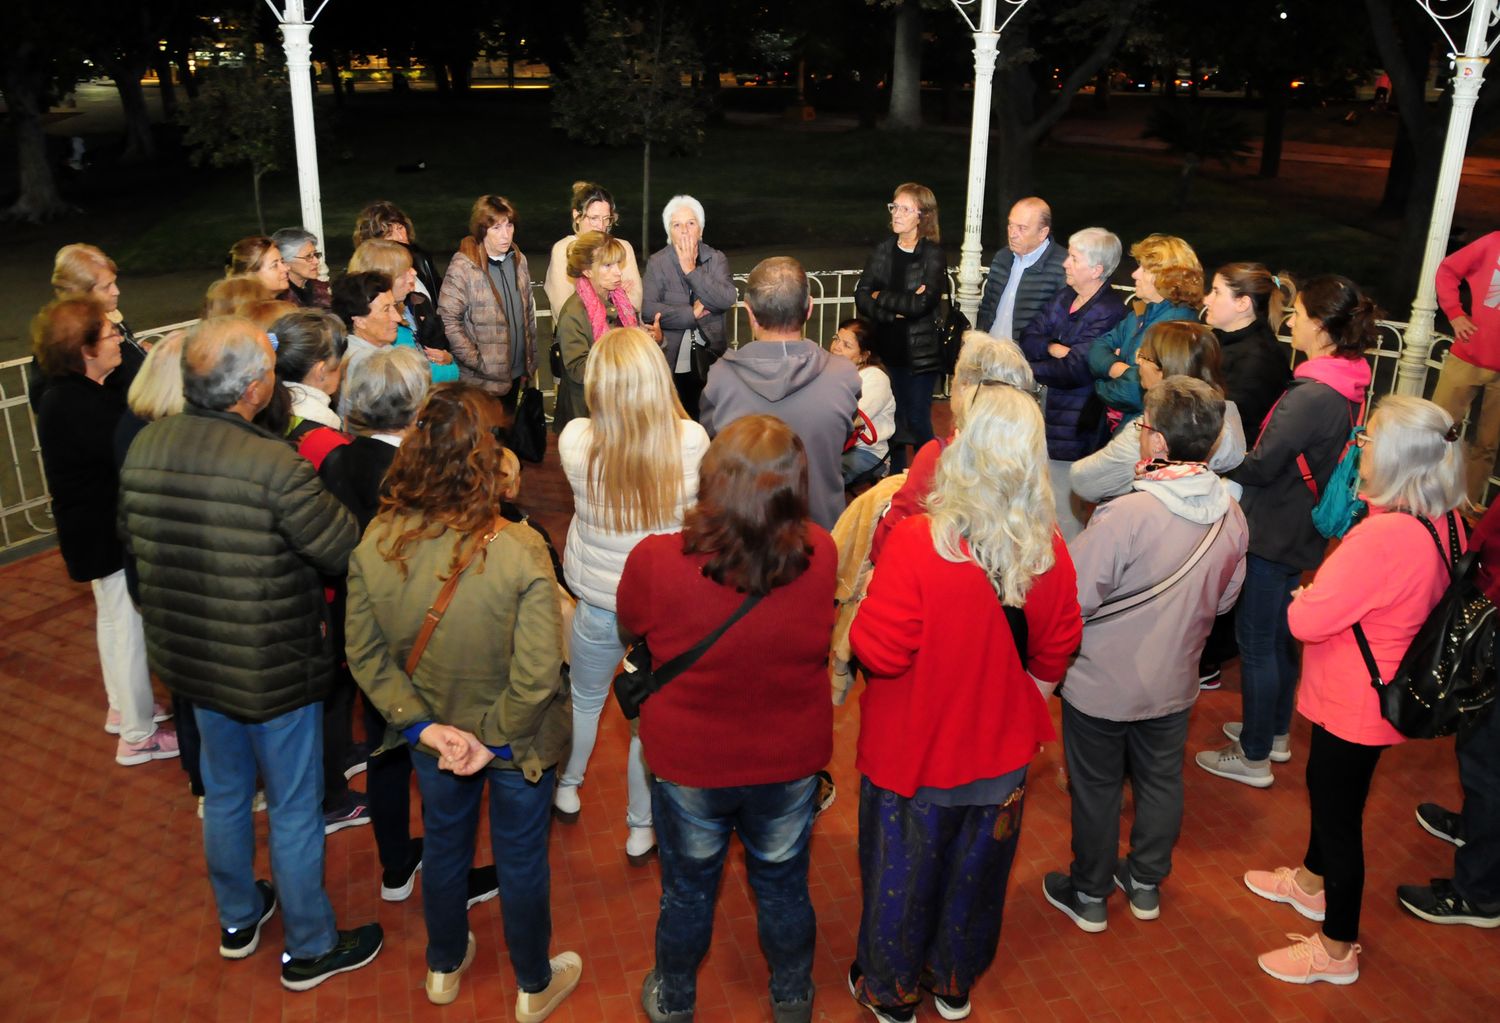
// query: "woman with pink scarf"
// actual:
[[599, 303]]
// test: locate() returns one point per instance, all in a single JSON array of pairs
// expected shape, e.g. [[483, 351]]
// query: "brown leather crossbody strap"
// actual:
[[445, 597]]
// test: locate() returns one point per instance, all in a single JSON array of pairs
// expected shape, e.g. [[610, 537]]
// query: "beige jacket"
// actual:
[[851, 535]]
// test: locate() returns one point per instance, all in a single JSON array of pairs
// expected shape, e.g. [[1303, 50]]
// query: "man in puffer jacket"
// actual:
[[231, 530]]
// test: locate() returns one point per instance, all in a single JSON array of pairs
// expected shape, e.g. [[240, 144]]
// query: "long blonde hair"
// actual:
[[991, 501], [635, 454]]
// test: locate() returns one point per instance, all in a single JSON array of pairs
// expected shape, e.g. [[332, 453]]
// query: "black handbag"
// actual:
[[1446, 679], [703, 358], [636, 681], [528, 431], [953, 336]]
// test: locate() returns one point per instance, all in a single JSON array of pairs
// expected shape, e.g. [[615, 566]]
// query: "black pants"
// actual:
[[388, 791], [338, 739], [1338, 783], [1098, 753], [1476, 867], [689, 390]]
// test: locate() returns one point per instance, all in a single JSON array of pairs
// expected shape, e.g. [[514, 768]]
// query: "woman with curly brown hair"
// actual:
[[384, 219], [482, 702], [737, 750]]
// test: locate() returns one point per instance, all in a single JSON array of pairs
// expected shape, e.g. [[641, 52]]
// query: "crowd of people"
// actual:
[[306, 503]]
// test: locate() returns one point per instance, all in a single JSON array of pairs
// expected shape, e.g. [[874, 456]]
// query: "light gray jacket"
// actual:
[[1110, 471], [1143, 663], [671, 292]]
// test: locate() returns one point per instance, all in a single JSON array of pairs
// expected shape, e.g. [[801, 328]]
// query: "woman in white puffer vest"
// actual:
[[633, 467]]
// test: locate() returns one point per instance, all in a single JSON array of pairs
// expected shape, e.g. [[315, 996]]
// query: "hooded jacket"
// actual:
[[1110, 471], [1313, 418], [814, 393], [1143, 663], [479, 335]]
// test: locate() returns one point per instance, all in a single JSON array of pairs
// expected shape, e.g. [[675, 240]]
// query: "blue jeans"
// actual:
[[857, 461], [692, 832], [913, 393], [596, 652], [520, 815], [1268, 655], [287, 753]]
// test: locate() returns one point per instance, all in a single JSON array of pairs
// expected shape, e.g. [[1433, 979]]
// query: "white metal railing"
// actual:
[[25, 512]]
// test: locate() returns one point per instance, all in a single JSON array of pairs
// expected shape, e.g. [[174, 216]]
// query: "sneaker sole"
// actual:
[[480, 900], [1255, 783], [333, 829], [640, 859], [1486, 922], [156, 719], [883, 1017], [353, 769], [1435, 833], [447, 996], [146, 756], [312, 982], [566, 816], [947, 1013], [1139, 914], [404, 892], [1341, 979], [1270, 896], [546, 1010], [1209, 687], [249, 950], [1277, 757], [1090, 926]]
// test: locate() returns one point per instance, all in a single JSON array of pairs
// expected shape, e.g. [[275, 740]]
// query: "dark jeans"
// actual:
[[1476, 867], [689, 390], [933, 882], [1098, 753], [388, 792], [189, 744], [520, 815], [338, 738], [1338, 783], [913, 393], [1268, 655], [693, 826]]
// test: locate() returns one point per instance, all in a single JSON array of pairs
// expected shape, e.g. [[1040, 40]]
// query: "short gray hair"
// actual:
[[291, 239], [1412, 464], [221, 357], [384, 389], [986, 358], [671, 206], [1099, 248], [776, 293]]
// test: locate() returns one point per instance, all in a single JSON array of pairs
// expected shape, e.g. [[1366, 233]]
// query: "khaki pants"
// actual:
[[1459, 383]]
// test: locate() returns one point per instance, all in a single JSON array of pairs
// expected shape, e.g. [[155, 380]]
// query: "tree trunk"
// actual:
[[1011, 154], [260, 216], [168, 89], [645, 249], [179, 52], [139, 142], [1406, 266], [39, 199], [459, 73], [1275, 129], [906, 70], [1101, 91], [1398, 180], [332, 67]]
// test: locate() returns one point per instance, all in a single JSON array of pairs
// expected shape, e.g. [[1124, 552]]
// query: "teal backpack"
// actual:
[[1339, 507]]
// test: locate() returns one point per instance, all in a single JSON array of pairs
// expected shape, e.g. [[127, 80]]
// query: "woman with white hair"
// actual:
[[1386, 576], [969, 598], [689, 285], [304, 262]]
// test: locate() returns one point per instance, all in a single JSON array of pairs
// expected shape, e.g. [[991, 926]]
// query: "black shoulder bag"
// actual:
[[636, 681]]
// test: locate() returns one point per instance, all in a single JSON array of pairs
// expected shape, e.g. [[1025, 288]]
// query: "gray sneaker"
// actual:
[[1089, 916], [1145, 903], [1230, 763], [1281, 745]]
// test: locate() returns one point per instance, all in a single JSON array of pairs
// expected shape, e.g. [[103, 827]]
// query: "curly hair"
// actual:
[[751, 515], [450, 474]]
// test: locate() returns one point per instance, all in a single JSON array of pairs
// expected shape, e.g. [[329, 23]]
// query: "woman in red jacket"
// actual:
[[1386, 575], [951, 718]]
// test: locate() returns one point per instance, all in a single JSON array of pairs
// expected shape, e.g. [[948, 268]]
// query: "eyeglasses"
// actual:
[[1362, 439], [1139, 358], [1034, 393], [314, 255], [1147, 426], [894, 208]]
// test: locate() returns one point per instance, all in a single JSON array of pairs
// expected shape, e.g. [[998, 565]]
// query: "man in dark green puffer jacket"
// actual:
[[231, 529]]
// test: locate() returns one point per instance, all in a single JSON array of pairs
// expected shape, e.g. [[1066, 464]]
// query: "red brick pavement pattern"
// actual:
[[109, 916]]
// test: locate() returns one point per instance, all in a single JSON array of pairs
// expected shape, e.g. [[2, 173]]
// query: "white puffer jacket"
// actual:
[[595, 554]]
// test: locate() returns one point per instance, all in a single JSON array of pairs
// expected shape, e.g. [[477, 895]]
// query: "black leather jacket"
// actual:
[[923, 312]]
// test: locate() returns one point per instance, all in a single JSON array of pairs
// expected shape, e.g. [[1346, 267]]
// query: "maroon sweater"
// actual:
[[756, 708]]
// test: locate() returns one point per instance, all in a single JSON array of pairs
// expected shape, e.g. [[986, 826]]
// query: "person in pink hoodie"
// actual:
[[1473, 363], [1387, 574], [1286, 471]]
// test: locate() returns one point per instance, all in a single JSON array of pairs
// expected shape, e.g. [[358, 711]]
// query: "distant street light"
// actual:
[[1468, 77], [296, 38]]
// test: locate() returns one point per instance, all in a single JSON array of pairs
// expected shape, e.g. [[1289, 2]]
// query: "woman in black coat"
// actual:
[[77, 348], [1244, 306], [901, 291]]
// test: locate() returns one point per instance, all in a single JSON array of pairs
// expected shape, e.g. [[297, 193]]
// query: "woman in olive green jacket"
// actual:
[[485, 706]]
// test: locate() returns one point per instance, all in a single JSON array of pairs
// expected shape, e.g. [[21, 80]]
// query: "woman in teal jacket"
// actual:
[[1168, 286]]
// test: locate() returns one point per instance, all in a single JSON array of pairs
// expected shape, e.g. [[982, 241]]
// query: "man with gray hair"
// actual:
[[785, 375], [1025, 274], [231, 531]]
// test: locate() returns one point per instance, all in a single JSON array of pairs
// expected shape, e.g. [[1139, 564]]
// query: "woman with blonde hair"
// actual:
[[600, 301], [483, 704], [591, 208], [228, 295], [633, 467], [1383, 579], [260, 257], [1168, 286], [421, 328], [82, 269], [974, 603]]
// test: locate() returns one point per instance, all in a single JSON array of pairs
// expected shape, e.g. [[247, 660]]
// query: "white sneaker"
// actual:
[[640, 845], [1281, 745], [1229, 762], [566, 805]]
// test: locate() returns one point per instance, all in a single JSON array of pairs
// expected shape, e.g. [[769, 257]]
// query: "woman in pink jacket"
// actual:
[[1386, 575]]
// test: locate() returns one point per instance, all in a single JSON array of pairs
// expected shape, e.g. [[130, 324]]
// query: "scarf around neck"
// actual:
[[598, 317], [1161, 470]]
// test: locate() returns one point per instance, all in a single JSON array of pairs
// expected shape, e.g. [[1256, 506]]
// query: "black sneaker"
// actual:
[[353, 815], [884, 1013], [827, 793], [1145, 903], [354, 949], [1209, 675], [482, 885], [396, 885], [357, 760], [1441, 823], [1440, 903], [237, 943], [1089, 916], [952, 1008]]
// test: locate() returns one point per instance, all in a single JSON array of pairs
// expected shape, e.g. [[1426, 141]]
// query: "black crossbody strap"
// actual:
[[685, 660], [1448, 562]]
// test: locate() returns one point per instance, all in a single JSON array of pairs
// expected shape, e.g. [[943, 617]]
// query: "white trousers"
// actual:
[[122, 656]]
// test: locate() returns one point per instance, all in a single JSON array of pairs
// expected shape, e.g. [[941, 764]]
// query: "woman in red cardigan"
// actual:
[[1387, 575], [736, 739], [952, 713]]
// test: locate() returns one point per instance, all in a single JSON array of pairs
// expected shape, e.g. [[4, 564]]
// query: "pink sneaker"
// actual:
[[1306, 961], [160, 745], [112, 719], [1281, 885]]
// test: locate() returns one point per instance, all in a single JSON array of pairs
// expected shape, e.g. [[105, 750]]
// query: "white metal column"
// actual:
[[296, 38], [1469, 65]]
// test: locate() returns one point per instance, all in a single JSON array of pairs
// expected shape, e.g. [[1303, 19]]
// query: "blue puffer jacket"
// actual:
[[1123, 393], [1068, 380]]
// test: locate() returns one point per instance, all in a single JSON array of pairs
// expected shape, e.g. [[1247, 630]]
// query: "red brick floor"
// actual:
[[108, 914]]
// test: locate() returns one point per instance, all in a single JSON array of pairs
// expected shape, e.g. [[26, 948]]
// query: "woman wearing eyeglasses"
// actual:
[[901, 292], [592, 209], [299, 250]]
